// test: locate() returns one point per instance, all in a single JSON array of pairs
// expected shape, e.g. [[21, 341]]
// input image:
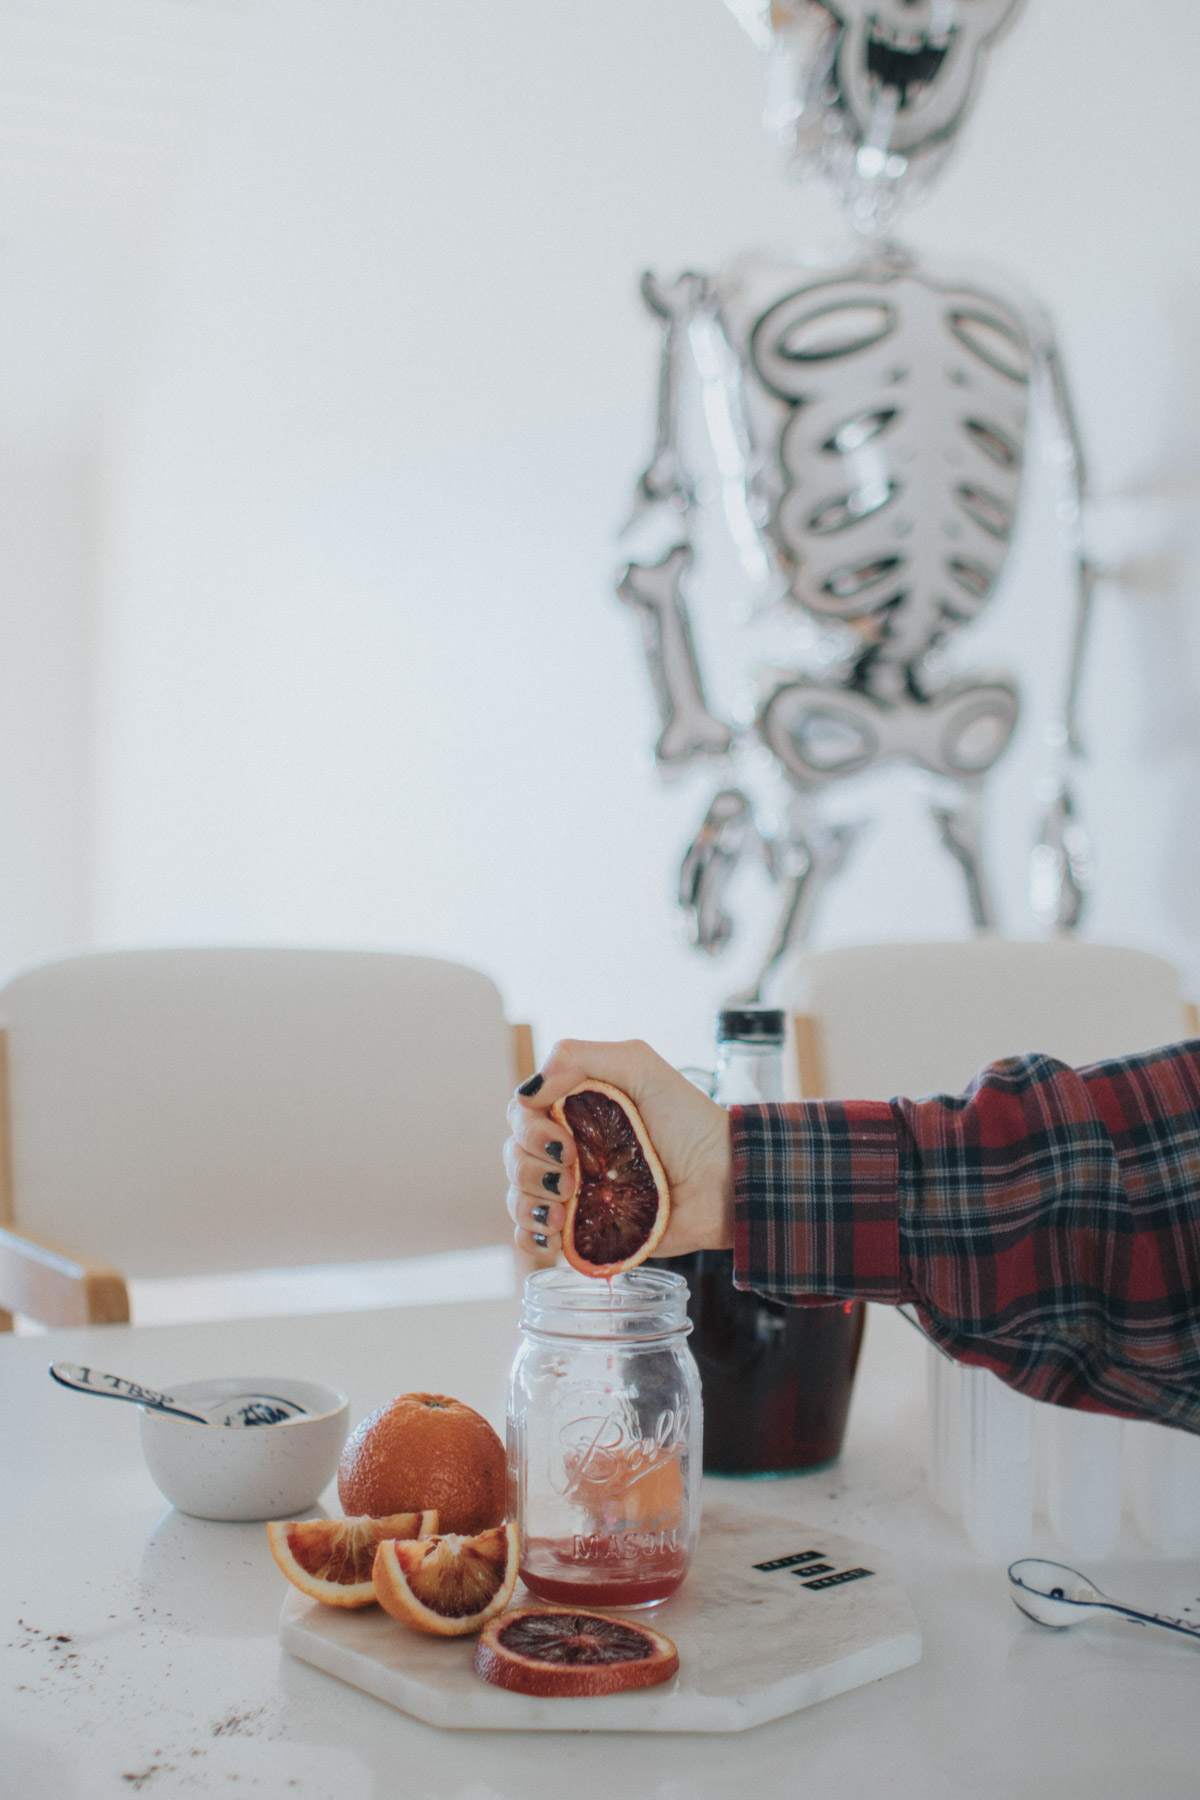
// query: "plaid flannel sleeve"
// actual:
[[1045, 1224]]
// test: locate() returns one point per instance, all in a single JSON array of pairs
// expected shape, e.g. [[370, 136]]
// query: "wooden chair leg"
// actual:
[[524, 1060], [810, 1064]]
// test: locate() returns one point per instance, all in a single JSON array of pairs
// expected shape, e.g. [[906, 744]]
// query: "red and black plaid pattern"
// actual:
[[1045, 1224]]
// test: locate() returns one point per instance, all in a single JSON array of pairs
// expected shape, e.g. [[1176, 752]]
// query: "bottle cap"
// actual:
[[756, 1024]]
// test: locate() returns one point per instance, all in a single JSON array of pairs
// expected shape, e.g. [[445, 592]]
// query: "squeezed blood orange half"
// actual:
[[449, 1585], [622, 1202], [331, 1559], [558, 1654]]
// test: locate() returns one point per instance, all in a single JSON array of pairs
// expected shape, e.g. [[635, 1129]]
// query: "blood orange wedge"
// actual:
[[331, 1559], [622, 1202], [448, 1585], [557, 1654]]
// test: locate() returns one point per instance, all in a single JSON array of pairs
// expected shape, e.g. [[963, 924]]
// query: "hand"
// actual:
[[689, 1131]]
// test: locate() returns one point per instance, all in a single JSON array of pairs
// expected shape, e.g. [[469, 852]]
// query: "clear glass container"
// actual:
[[604, 1438]]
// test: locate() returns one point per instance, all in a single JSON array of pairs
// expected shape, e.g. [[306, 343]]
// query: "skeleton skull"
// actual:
[[909, 66], [861, 90]]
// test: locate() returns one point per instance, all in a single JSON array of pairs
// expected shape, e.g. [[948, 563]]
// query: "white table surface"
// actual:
[[140, 1652]]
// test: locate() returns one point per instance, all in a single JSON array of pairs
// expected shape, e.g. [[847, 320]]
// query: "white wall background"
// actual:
[[47, 556], [356, 675]]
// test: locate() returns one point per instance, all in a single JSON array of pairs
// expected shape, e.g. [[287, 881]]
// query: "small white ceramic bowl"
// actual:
[[239, 1473]]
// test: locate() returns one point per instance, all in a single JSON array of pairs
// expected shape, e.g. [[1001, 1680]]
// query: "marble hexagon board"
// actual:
[[773, 1617]]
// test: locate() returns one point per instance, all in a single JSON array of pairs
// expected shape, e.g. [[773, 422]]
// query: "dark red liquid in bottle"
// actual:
[[776, 1379]]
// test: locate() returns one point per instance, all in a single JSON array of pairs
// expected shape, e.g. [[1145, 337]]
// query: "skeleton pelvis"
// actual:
[[823, 734]]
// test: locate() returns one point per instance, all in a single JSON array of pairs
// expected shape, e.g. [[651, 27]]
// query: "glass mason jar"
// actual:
[[604, 1435]]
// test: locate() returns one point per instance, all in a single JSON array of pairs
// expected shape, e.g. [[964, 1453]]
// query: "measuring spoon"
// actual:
[[232, 1409], [1052, 1594]]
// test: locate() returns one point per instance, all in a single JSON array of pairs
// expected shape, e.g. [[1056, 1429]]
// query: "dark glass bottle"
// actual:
[[776, 1379]]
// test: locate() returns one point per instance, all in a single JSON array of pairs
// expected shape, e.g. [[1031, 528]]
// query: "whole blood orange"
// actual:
[[559, 1655], [621, 1203], [331, 1560], [425, 1450], [448, 1585]]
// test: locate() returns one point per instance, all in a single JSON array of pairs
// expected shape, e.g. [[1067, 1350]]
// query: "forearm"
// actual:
[[816, 1199], [1045, 1224]]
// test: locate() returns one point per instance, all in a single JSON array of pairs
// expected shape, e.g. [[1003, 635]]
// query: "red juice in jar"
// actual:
[[628, 1552], [602, 1571]]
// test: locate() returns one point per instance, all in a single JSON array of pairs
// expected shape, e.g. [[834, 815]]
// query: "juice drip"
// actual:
[[612, 1321]]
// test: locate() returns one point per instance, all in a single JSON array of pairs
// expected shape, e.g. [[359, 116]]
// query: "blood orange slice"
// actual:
[[557, 1654], [448, 1585], [331, 1559], [621, 1205]]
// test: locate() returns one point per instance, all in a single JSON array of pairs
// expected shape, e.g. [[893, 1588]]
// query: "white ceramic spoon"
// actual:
[[232, 1409], [1051, 1594]]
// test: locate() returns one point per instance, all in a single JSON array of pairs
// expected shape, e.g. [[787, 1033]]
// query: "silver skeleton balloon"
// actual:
[[869, 426]]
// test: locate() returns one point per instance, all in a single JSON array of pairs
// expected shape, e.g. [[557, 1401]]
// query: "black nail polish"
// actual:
[[541, 1214], [550, 1182], [539, 1238], [554, 1151], [531, 1087]]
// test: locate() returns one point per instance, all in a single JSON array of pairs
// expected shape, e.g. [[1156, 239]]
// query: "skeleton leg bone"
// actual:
[[959, 826], [1060, 867], [711, 859], [805, 866]]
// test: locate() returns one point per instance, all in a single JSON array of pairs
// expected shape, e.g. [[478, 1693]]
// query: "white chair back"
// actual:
[[188, 1111], [917, 1019]]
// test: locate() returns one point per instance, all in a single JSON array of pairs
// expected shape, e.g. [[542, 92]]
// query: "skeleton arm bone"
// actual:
[[665, 496], [1075, 473], [1061, 873], [676, 305], [689, 729]]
